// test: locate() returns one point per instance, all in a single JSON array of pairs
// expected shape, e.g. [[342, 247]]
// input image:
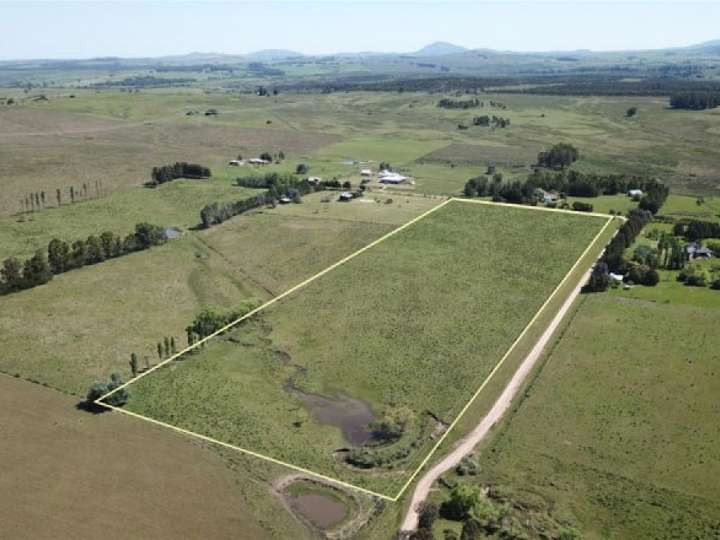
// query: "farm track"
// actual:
[[466, 445]]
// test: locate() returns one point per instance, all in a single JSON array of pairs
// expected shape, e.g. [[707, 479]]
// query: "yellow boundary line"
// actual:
[[269, 303]]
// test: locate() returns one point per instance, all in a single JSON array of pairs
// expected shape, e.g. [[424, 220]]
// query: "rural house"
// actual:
[[696, 250]]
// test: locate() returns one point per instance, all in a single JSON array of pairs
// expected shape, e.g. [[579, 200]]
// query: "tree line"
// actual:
[[486, 121], [695, 230], [447, 103], [39, 200], [277, 186], [695, 100], [62, 256], [181, 169], [571, 183]]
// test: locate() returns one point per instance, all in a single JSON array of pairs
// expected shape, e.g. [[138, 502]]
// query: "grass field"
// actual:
[[617, 436], [68, 473], [84, 324], [384, 328], [117, 137]]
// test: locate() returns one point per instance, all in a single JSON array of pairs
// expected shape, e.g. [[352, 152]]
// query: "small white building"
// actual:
[[236, 162], [258, 161], [314, 179], [365, 172], [388, 177], [635, 193]]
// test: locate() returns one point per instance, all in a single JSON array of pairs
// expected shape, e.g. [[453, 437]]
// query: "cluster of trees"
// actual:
[[181, 169], [695, 100], [63, 256], [695, 230], [39, 200], [262, 91], [577, 184], [447, 103], [98, 390], [613, 259], [495, 121], [210, 320], [166, 347], [558, 157], [277, 185]]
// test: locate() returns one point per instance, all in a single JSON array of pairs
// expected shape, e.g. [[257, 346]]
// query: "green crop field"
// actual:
[[417, 322]]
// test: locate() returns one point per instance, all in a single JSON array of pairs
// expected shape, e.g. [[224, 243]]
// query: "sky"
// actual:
[[142, 29]]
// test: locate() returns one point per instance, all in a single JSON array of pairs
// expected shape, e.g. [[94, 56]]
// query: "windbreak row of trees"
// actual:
[[181, 169], [695, 100], [62, 256], [447, 103], [613, 259], [277, 185], [571, 183]]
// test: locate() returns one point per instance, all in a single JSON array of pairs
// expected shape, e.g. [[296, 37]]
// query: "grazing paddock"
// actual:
[[68, 473], [94, 317], [415, 322], [618, 434]]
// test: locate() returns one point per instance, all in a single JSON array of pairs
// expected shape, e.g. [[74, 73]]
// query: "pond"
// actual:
[[350, 415], [321, 510]]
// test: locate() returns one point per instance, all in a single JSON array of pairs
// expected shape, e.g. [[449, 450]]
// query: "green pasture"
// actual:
[[616, 435], [432, 308]]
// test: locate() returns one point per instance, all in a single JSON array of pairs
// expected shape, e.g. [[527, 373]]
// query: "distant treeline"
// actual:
[[145, 81], [277, 185], [258, 68], [62, 256], [447, 103], [695, 100], [181, 169], [609, 83]]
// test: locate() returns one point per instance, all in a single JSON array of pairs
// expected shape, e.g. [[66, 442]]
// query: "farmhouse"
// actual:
[[387, 177], [548, 197], [346, 196], [314, 180], [365, 172], [236, 162], [635, 193], [696, 250]]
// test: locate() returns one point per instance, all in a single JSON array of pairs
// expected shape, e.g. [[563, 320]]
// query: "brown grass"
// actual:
[[72, 474]]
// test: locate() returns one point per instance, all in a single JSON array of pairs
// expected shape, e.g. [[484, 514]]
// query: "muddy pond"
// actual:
[[321, 510], [350, 415]]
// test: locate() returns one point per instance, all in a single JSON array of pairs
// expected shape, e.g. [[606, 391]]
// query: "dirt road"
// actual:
[[467, 443]]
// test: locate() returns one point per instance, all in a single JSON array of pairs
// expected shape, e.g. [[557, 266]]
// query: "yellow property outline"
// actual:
[[309, 280]]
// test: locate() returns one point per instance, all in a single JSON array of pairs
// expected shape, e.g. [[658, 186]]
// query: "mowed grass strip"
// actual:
[[418, 321]]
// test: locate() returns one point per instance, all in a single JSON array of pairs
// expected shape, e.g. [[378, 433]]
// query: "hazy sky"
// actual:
[[131, 29]]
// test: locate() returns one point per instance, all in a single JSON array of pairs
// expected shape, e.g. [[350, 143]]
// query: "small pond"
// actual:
[[350, 415], [322, 511]]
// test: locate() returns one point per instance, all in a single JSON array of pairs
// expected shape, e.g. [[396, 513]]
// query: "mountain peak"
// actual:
[[440, 48]]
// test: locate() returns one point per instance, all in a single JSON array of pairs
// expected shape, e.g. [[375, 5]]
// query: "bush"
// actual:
[[302, 168], [579, 206]]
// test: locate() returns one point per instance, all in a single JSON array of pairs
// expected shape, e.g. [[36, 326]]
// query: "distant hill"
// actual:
[[440, 48], [272, 54]]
